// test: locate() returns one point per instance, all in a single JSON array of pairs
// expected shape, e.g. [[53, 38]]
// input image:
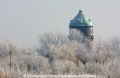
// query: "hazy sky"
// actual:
[[22, 20]]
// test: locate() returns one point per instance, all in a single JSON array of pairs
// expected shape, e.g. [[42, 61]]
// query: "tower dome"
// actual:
[[80, 20]]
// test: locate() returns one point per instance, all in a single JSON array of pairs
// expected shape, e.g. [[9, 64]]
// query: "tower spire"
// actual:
[[80, 11]]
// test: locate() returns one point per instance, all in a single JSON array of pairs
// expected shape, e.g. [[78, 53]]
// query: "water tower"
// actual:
[[82, 23]]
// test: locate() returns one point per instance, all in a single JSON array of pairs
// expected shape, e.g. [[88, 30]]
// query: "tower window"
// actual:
[[91, 28]]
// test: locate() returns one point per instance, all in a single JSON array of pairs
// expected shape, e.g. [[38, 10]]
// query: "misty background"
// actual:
[[21, 21]]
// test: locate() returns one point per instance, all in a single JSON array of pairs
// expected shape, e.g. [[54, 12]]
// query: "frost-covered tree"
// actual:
[[58, 54], [48, 38], [115, 41], [76, 35], [8, 46]]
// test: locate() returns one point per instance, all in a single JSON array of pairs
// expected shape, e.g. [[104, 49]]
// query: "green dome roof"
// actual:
[[80, 20]]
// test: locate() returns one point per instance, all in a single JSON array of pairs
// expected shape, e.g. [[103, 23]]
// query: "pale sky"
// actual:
[[21, 21]]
